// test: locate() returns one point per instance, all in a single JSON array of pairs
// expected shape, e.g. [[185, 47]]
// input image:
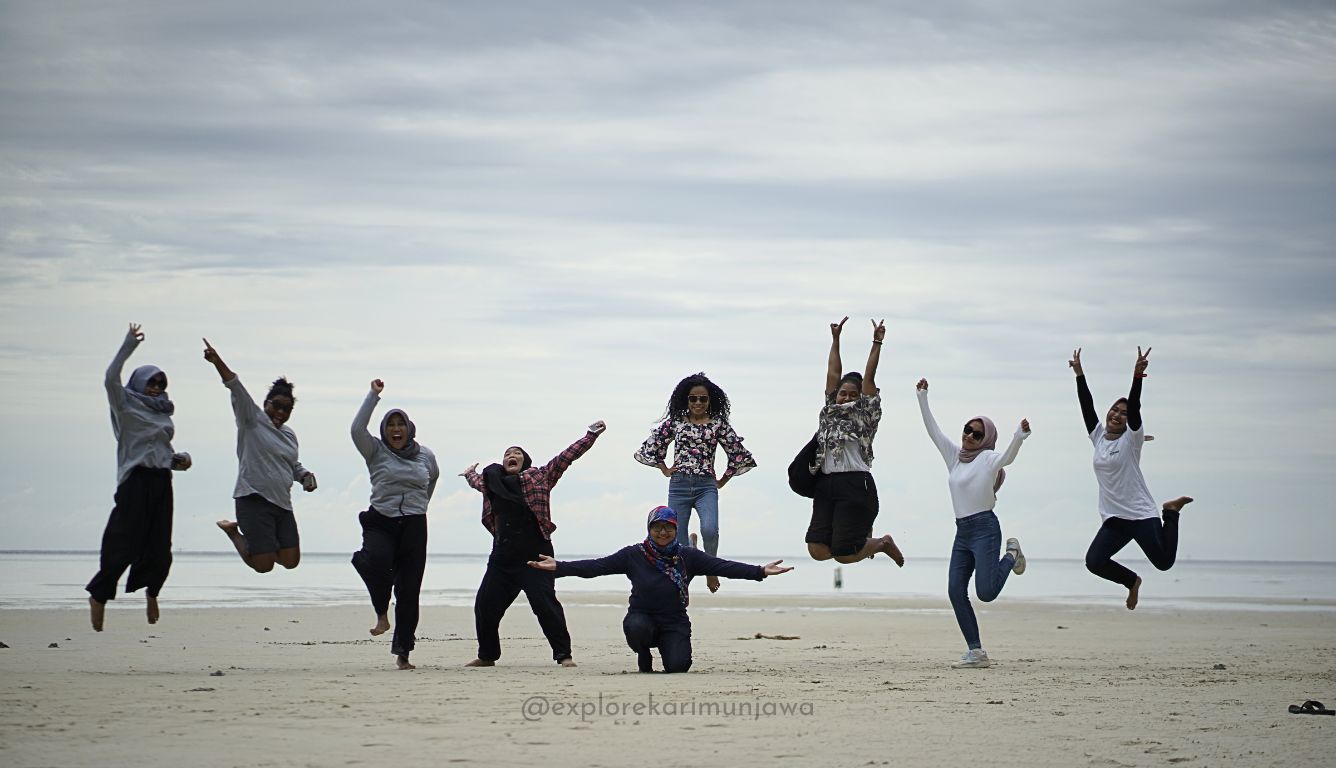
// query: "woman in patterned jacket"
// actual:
[[696, 422]]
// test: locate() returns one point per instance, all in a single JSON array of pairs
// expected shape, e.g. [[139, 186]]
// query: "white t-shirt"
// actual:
[[1122, 488]]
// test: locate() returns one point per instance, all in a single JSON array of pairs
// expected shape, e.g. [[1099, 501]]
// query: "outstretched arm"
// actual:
[[1083, 393], [1134, 395], [585, 569], [873, 357], [557, 467], [834, 369]]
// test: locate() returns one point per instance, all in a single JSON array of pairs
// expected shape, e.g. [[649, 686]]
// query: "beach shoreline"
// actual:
[[852, 681]]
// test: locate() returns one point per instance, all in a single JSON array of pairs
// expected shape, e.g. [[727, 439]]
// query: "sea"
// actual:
[[55, 579]]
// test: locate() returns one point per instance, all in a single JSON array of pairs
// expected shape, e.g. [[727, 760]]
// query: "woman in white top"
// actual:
[[1125, 503], [974, 474]]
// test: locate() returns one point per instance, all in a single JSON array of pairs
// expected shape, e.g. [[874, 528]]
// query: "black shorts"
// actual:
[[266, 526], [843, 509]]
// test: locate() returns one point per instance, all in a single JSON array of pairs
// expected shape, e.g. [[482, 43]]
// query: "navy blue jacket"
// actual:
[[651, 590]]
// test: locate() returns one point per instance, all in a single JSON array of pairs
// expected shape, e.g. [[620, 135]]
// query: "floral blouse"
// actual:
[[695, 444], [855, 420]]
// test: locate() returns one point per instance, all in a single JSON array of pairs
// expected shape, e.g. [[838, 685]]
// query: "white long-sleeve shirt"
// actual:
[[971, 482]]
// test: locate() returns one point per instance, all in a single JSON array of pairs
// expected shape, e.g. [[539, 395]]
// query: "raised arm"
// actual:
[[834, 369], [360, 430], [948, 449], [1009, 455], [873, 357], [557, 467], [585, 569], [474, 479], [112, 381], [212, 356], [1134, 394], [1083, 393]]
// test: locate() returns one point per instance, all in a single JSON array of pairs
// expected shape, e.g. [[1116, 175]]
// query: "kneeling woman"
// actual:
[[394, 528], [660, 569]]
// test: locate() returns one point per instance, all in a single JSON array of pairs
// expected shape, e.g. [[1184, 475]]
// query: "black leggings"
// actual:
[[393, 557], [501, 584], [1158, 540], [138, 535]]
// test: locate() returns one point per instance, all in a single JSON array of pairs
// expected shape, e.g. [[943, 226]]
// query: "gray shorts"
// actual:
[[266, 526]]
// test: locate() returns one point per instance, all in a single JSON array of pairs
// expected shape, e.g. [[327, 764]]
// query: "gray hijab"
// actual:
[[135, 389], [411, 448]]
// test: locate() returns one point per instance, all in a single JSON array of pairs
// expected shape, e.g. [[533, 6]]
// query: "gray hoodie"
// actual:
[[399, 486], [266, 455], [143, 434]]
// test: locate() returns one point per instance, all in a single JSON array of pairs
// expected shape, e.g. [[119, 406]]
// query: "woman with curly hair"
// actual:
[[265, 531], [696, 422]]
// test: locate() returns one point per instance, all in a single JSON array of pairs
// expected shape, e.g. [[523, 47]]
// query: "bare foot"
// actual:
[[402, 662], [97, 611], [892, 551], [712, 582], [382, 625], [1177, 504], [694, 538], [480, 663], [1132, 595], [153, 610], [238, 540], [567, 662]]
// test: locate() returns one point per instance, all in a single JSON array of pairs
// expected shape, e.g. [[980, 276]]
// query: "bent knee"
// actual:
[[264, 566], [677, 666]]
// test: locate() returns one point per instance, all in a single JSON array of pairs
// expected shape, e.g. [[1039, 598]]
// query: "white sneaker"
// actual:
[[974, 658], [1014, 549]]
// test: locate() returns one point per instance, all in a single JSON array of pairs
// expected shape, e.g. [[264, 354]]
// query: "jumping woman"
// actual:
[[660, 569], [696, 422], [394, 528], [1125, 503], [138, 535], [844, 504], [265, 531], [517, 511], [974, 473]]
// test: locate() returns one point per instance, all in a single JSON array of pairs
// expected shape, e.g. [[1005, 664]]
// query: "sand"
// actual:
[[862, 682]]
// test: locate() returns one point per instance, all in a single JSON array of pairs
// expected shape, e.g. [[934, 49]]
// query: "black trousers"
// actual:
[[138, 536], [1158, 540], [501, 584], [671, 636], [393, 557]]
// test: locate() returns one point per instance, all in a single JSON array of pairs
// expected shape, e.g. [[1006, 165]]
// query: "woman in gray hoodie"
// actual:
[[138, 535], [394, 528]]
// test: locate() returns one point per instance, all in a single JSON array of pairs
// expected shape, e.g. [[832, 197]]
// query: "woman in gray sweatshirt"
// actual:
[[138, 535], [265, 531], [394, 528]]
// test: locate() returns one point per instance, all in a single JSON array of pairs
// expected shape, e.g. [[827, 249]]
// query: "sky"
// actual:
[[525, 216]]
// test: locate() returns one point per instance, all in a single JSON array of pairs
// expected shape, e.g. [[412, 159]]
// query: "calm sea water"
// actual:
[[216, 579]]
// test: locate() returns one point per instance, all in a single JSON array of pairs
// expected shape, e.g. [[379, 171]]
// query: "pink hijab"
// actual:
[[989, 443]]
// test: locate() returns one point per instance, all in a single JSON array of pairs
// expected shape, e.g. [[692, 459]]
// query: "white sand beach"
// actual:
[[861, 682]]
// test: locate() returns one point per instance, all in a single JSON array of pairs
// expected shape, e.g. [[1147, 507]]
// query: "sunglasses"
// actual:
[[698, 398], [157, 381], [974, 433]]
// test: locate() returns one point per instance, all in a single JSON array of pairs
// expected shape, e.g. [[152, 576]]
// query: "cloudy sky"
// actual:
[[528, 216]]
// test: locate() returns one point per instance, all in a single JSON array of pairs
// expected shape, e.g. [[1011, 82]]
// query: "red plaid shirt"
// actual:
[[536, 485]]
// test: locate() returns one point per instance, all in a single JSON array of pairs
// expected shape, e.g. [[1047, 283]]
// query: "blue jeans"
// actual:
[[978, 538], [699, 491]]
